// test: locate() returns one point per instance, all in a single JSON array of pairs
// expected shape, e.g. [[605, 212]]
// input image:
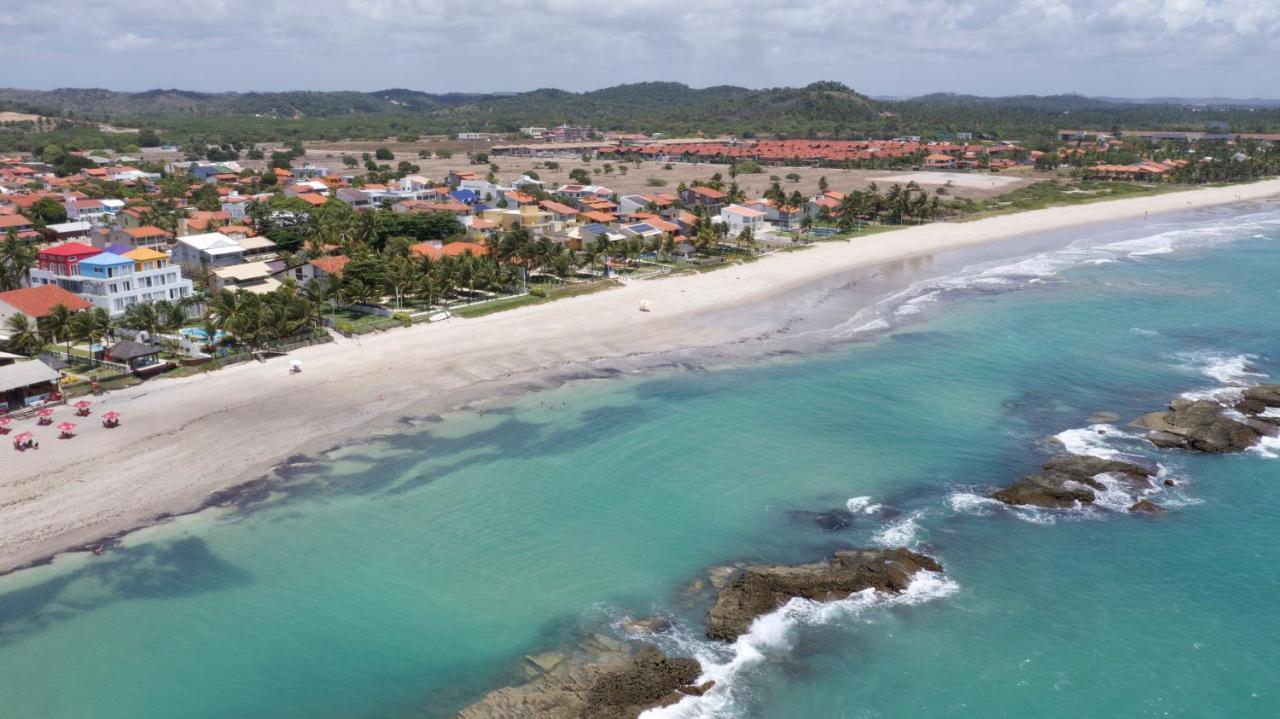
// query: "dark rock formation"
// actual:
[[601, 679], [1265, 394], [1201, 426], [652, 679], [1070, 480], [1143, 506], [760, 590]]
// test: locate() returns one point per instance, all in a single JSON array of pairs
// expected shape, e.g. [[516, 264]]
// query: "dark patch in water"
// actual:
[[834, 520], [181, 568]]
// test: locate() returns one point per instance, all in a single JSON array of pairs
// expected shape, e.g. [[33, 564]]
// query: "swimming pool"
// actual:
[[197, 334]]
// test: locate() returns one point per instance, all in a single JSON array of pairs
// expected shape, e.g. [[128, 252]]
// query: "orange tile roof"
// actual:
[[452, 249], [312, 198], [331, 265], [557, 208], [601, 217], [40, 301], [145, 231]]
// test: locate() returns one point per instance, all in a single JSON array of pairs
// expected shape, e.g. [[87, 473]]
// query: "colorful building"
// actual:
[[108, 280]]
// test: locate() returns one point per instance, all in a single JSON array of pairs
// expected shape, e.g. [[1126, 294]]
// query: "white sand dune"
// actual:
[[183, 438]]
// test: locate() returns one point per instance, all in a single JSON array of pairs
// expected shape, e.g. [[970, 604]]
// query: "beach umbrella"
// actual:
[[82, 404], [4, 421], [45, 412], [66, 427], [22, 436], [111, 415]]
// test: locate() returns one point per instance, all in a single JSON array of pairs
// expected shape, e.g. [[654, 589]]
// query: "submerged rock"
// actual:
[[834, 520], [1070, 480], [600, 679], [1200, 426], [759, 590], [648, 625]]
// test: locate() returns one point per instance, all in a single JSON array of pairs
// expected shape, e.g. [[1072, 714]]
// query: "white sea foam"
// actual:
[[773, 635], [1092, 441], [1004, 275], [901, 533], [862, 505], [1221, 395], [1268, 447], [1116, 494], [1233, 370], [1270, 412]]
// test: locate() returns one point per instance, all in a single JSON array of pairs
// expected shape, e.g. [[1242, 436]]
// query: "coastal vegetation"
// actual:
[[820, 109]]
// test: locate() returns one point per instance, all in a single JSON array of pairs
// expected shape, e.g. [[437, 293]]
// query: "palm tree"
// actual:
[[17, 257], [24, 337], [57, 325], [142, 318], [82, 328], [104, 326]]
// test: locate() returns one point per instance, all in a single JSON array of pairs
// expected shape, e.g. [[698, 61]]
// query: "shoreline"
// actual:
[[239, 423]]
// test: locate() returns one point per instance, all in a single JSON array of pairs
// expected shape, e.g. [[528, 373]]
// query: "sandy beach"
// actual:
[[182, 439]]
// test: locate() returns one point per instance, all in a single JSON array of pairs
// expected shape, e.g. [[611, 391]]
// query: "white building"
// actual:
[[110, 281], [739, 218], [211, 249]]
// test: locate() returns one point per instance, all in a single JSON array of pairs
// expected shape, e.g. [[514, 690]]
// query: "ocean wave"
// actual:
[[1007, 276], [1096, 440], [862, 505], [1231, 370], [901, 533], [1268, 447], [773, 635]]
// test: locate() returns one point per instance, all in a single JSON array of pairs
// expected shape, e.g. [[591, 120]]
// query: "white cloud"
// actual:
[[129, 41], [1144, 47]]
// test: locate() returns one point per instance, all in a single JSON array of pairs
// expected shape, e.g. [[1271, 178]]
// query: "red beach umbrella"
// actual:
[[82, 404], [66, 427], [111, 415], [22, 436], [4, 421], [44, 412]]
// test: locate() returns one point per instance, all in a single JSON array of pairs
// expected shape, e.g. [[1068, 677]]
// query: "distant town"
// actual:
[[118, 265]]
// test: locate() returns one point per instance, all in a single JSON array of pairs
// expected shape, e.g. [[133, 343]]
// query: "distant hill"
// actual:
[[820, 109], [671, 107], [654, 104], [98, 103]]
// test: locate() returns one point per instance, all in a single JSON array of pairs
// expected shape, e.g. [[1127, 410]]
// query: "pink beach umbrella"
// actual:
[[44, 412], [67, 429], [111, 415], [4, 424], [22, 436], [82, 404]]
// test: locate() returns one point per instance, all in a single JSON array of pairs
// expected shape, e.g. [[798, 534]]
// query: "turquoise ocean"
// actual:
[[407, 575]]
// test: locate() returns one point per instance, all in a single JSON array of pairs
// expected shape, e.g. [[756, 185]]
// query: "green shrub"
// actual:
[[344, 328], [403, 318], [655, 182], [538, 292]]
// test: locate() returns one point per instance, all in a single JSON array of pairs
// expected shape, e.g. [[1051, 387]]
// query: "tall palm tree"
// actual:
[[82, 328], [142, 317], [17, 257], [57, 325], [24, 337]]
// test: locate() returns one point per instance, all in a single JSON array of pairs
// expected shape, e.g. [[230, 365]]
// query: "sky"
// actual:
[[1129, 48]]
